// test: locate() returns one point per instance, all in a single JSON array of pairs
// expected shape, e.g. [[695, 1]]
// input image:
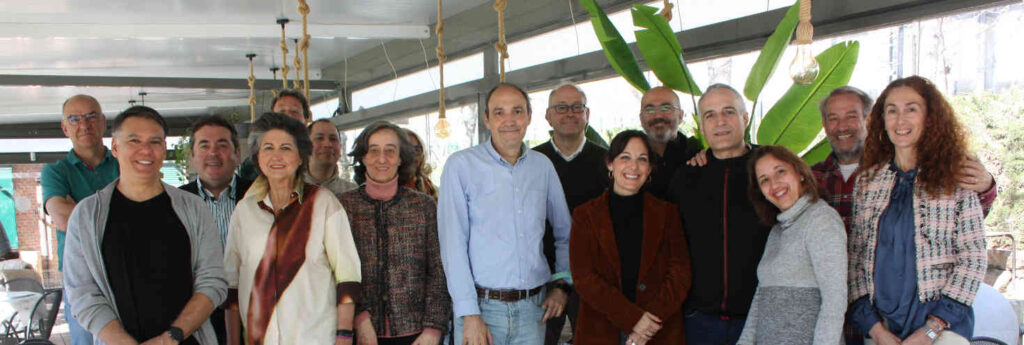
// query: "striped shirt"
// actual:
[[221, 206]]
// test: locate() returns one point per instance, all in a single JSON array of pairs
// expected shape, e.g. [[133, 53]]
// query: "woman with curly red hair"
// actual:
[[917, 244]]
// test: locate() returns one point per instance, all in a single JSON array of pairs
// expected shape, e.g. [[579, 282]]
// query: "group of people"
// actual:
[[646, 239]]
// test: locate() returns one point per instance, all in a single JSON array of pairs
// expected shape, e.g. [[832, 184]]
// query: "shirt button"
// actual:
[[641, 287]]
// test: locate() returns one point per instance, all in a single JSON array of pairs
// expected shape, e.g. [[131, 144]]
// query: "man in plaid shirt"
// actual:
[[844, 116]]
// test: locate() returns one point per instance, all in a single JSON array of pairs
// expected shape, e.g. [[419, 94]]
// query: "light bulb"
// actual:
[[804, 68], [441, 128]]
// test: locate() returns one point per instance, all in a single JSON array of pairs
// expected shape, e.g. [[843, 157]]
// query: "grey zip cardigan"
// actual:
[[85, 276]]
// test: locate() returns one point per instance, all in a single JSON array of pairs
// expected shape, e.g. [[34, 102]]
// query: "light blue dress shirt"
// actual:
[[490, 217]]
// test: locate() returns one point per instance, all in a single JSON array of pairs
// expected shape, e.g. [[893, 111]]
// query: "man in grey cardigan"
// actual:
[[143, 259]]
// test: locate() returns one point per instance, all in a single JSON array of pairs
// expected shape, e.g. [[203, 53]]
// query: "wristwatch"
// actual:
[[176, 334], [932, 327]]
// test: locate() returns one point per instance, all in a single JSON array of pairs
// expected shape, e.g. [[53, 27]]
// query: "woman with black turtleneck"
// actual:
[[629, 262]]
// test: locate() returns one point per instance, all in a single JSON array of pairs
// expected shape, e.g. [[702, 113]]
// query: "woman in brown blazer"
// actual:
[[630, 264]]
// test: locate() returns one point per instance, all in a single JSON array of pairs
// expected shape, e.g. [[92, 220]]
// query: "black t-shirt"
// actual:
[[148, 257]]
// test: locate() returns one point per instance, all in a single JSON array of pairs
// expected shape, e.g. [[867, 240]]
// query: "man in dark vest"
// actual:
[[580, 164]]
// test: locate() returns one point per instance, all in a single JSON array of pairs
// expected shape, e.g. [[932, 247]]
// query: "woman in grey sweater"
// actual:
[[801, 293]]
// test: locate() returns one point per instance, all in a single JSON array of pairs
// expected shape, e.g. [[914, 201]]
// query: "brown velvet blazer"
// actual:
[[662, 284]]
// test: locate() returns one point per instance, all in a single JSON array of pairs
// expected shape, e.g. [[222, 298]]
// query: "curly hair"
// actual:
[[940, 149], [766, 211], [406, 153]]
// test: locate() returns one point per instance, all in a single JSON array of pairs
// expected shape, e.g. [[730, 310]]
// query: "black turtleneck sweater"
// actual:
[[725, 236], [628, 222]]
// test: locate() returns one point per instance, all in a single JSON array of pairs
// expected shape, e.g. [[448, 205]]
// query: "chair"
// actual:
[[35, 342], [22, 284], [44, 314]]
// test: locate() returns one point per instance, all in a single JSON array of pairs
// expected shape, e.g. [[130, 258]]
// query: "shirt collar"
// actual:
[[74, 159], [489, 146], [260, 189], [570, 157], [309, 178], [230, 190]]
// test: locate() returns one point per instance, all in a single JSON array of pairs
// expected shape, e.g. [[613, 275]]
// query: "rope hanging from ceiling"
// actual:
[[666, 10], [502, 45], [441, 130], [252, 89], [298, 64], [304, 46], [284, 55], [804, 30]]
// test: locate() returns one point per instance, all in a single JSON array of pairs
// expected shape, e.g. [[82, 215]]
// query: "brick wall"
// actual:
[[34, 235]]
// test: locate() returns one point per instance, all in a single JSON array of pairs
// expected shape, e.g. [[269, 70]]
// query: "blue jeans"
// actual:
[[511, 323], [79, 336], [712, 329]]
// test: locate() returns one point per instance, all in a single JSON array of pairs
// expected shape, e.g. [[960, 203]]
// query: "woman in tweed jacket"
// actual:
[[404, 299], [917, 245]]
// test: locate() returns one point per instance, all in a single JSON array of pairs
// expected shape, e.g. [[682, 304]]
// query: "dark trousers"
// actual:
[[708, 329], [554, 326], [219, 329]]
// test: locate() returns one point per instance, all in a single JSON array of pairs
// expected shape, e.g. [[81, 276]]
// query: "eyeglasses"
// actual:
[[564, 108], [650, 110], [74, 120]]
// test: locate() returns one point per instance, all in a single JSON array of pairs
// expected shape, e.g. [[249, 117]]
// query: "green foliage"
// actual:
[[818, 153], [997, 136], [771, 53], [661, 50], [794, 121], [615, 48]]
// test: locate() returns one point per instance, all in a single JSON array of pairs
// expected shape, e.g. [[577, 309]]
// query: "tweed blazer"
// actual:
[[949, 238]]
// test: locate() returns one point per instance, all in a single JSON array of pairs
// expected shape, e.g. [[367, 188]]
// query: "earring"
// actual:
[[610, 175]]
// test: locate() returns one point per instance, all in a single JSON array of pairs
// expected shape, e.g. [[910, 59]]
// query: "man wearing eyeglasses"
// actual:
[[88, 167], [580, 165], [660, 117]]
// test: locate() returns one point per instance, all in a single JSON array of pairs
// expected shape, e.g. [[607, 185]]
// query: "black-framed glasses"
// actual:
[[74, 119], [650, 110], [564, 108]]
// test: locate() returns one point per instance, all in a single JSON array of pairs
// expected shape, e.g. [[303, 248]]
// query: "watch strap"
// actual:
[[176, 334]]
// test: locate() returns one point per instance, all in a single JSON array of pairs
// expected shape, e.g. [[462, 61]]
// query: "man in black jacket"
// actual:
[[725, 237], [215, 152], [660, 116], [580, 164]]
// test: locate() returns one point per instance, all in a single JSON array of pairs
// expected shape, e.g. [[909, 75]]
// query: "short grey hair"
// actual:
[[269, 121], [865, 100], [720, 86], [567, 84]]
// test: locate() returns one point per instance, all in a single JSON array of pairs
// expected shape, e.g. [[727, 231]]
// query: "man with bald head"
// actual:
[[660, 116], [725, 236], [88, 167], [580, 164]]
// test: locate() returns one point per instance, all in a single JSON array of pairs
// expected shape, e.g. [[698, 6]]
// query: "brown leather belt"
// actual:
[[507, 295]]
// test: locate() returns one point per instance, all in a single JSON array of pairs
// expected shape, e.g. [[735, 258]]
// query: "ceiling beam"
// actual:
[[706, 42], [153, 82], [189, 30]]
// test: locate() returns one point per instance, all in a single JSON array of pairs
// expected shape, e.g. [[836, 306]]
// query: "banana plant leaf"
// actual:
[[661, 50], [818, 153], [794, 120], [615, 48], [771, 53]]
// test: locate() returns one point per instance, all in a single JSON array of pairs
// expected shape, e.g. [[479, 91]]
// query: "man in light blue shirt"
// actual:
[[494, 200]]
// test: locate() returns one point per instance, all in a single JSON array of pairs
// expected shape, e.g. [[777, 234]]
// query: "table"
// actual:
[[20, 302]]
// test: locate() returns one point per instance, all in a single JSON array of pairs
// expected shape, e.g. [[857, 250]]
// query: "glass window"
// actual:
[[580, 38], [456, 72]]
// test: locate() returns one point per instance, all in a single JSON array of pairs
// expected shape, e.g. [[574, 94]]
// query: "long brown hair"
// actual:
[[766, 210], [942, 145]]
